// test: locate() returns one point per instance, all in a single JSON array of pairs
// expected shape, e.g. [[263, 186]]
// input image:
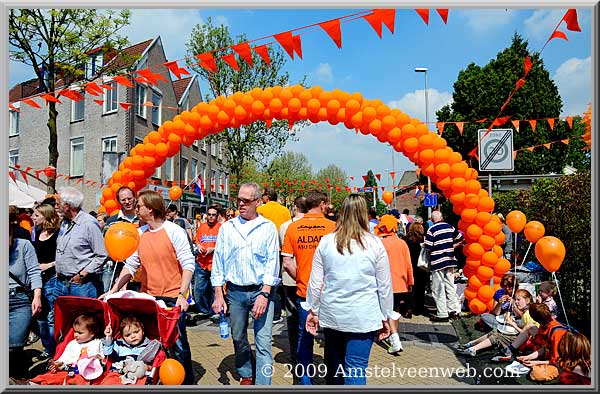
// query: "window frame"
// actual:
[[140, 108], [12, 153], [156, 108], [11, 122], [111, 139], [76, 141], [74, 105], [111, 97]]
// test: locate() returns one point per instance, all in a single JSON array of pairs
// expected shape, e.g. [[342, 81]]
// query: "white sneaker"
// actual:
[[516, 368], [395, 349]]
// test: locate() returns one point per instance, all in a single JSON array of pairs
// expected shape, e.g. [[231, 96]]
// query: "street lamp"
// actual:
[[424, 70]]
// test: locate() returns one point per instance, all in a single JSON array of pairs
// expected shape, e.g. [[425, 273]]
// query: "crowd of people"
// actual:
[[347, 273]]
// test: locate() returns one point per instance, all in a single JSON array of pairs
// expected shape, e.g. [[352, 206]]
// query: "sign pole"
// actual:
[[490, 184]]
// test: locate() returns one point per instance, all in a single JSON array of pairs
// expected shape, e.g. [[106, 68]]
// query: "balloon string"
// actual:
[[560, 297], [526, 253]]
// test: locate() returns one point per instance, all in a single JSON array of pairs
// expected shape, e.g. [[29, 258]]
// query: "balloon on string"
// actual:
[[515, 220], [121, 240], [171, 372], [550, 251], [175, 192], [387, 196], [534, 230]]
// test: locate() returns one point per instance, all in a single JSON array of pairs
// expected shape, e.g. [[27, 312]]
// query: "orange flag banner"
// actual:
[[298, 46], [515, 155], [378, 176], [332, 28], [392, 174], [263, 52], [565, 141], [153, 77], [244, 51], [207, 60], [440, 127], [99, 102], [515, 124], [31, 103], [122, 80], [571, 19], [532, 123], [230, 59], [551, 123], [286, 40], [547, 145], [531, 148], [569, 120], [388, 17], [175, 69], [519, 84], [376, 22], [558, 34], [443, 14], [500, 121], [13, 108], [125, 106], [527, 65], [424, 14], [50, 97], [460, 126]]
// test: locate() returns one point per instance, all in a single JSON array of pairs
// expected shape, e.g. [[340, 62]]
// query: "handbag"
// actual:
[[423, 260]]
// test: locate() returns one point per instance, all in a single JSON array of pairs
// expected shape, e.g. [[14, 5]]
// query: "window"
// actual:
[[193, 169], [213, 149], [93, 65], [76, 167], [203, 144], [156, 102], [13, 157], [140, 99], [226, 185], [183, 170], [109, 144], [169, 168], [13, 122], [78, 109], [111, 98], [203, 171], [220, 151], [213, 180]]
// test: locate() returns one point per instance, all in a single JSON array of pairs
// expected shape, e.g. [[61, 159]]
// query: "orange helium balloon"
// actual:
[[171, 372], [175, 192], [534, 230], [387, 196], [515, 220], [470, 294], [477, 306], [550, 251], [485, 293], [121, 240]]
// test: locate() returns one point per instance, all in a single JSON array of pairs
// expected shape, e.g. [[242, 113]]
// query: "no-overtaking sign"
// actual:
[[496, 150]]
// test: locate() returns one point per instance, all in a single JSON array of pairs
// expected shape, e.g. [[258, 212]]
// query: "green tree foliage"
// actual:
[[334, 176], [254, 142], [480, 92], [563, 205], [371, 182], [57, 43]]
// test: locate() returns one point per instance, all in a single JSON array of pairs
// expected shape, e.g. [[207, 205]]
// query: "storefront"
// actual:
[[191, 205]]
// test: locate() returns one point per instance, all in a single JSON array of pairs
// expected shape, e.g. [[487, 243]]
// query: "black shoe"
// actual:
[[437, 319]]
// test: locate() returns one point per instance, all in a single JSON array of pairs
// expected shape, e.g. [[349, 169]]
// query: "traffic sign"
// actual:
[[496, 150], [430, 200]]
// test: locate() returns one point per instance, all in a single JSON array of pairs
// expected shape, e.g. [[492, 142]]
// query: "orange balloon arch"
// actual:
[[407, 135]]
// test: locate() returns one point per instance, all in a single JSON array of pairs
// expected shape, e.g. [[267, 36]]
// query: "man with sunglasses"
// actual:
[[206, 239], [246, 260]]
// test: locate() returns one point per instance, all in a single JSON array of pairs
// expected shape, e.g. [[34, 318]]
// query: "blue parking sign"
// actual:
[[430, 200]]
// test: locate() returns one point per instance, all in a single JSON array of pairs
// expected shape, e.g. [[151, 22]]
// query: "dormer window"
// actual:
[[93, 65]]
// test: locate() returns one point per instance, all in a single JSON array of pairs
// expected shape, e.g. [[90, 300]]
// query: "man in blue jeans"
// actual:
[[246, 260], [206, 238]]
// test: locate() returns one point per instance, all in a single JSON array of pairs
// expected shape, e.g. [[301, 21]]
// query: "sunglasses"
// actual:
[[246, 200], [211, 214]]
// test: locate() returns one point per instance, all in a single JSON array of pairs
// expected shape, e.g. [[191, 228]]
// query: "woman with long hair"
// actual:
[[414, 238], [349, 293]]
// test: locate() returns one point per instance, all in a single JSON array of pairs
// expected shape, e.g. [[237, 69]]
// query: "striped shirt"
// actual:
[[440, 240], [246, 253]]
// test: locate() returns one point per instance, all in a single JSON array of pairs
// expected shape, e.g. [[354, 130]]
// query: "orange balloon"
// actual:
[[471, 200], [477, 306], [492, 228], [110, 205], [442, 170], [485, 293], [175, 192], [484, 273], [410, 144], [475, 250], [387, 196], [470, 294], [444, 183], [475, 282], [489, 259], [490, 304], [486, 204], [121, 240], [499, 238], [498, 250], [515, 220], [487, 242], [468, 214], [472, 264], [473, 233], [550, 251], [501, 267], [534, 230], [171, 372], [482, 218]]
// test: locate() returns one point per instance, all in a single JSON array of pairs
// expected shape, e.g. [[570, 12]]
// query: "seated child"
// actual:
[[503, 302], [133, 353], [522, 300], [546, 296], [80, 361], [574, 359]]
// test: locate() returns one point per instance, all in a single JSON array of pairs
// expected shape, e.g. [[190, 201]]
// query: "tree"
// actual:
[[479, 92], [333, 176], [256, 141], [288, 167], [56, 43], [371, 182]]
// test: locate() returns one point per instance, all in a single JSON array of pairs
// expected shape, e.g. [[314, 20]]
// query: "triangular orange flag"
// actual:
[[230, 59], [263, 52], [565, 141], [501, 121], [547, 145], [515, 124], [532, 123], [388, 17], [243, 49], [519, 84], [50, 97], [375, 20], [153, 77], [440, 127], [175, 69], [122, 80], [13, 108], [12, 176], [286, 40], [571, 19], [460, 126], [332, 28], [531, 148], [31, 103], [558, 34], [99, 102], [569, 120], [443, 14], [298, 46], [93, 89], [514, 155], [551, 123], [424, 14], [126, 106], [527, 65], [207, 60]]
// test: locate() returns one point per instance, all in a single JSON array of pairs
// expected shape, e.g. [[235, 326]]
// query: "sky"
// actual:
[[384, 68]]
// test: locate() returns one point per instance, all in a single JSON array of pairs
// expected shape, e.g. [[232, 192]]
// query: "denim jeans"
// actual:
[[181, 349], [19, 318], [66, 288], [347, 356], [240, 300], [306, 341], [47, 330], [107, 275], [203, 291], [292, 320]]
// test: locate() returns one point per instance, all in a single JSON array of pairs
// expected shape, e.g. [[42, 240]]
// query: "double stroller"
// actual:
[[159, 324]]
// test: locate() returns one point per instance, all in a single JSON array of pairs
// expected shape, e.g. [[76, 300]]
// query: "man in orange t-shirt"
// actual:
[[206, 239], [301, 240]]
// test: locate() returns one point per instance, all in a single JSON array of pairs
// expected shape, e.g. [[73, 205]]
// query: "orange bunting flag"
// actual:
[[230, 59], [175, 69], [515, 124], [481, 120], [500, 121], [392, 174], [551, 123], [515, 155], [31, 103], [148, 104], [531, 148], [375, 20], [106, 87], [527, 65], [558, 34], [263, 52], [152, 77], [244, 51], [571, 19], [286, 40], [569, 120], [122, 80], [290, 124], [388, 17], [298, 46], [142, 80], [565, 141], [207, 61], [93, 89], [125, 106], [378, 176], [440, 127], [460, 126], [12, 176], [532, 123], [351, 177], [519, 84], [443, 14], [365, 177], [50, 97], [332, 28], [547, 145], [99, 102], [424, 14], [12, 107]]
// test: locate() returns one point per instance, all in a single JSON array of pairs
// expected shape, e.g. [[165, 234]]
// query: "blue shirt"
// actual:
[[80, 246], [246, 253], [440, 240], [122, 349]]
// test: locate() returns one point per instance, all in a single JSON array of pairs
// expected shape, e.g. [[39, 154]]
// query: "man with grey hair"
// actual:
[[80, 250], [246, 258], [440, 241]]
